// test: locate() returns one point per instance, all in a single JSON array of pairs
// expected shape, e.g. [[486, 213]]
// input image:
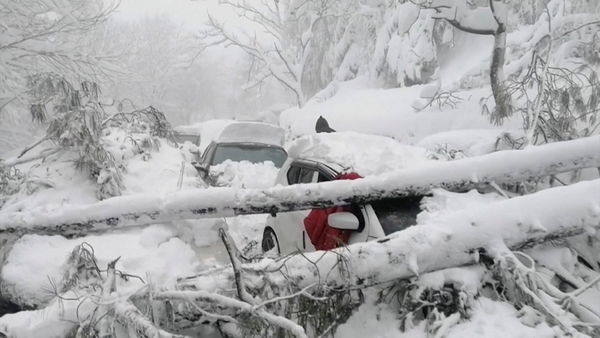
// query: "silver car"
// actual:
[[255, 142]]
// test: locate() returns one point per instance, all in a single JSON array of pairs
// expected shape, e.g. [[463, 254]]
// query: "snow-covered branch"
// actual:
[[500, 167], [39, 36], [458, 239], [203, 296], [279, 37]]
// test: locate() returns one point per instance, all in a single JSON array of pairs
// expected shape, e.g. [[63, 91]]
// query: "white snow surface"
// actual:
[[160, 172], [489, 319], [391, 112], [442, 202], [470, 142]]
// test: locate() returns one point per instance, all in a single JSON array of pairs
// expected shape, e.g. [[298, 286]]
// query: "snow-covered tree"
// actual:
[[395, 44], [405, 51], [554, 76], [41, 36], [37, 36], [282, 37], [482, 20]]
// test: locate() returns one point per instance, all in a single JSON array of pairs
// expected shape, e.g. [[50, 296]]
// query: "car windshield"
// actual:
[[397, 214], [251, 153], [181, 138]]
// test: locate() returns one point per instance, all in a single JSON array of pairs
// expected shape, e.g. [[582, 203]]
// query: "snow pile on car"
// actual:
[[362, 153], [244, 174]]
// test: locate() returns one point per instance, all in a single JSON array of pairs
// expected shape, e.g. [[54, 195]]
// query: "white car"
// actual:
[[318, 158]]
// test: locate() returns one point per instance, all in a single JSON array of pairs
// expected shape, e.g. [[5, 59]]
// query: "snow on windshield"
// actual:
[[362, 153], [244, 174], [254, 154]]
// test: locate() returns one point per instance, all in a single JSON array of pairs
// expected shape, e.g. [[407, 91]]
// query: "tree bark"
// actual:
[[500, 167], [501, 97]]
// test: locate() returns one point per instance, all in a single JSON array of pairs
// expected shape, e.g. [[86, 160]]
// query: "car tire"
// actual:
[[270, 242]]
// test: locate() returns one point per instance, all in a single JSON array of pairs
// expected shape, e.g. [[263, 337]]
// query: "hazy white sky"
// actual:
[[188, 13]]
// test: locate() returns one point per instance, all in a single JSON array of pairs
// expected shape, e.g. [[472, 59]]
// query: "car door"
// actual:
[[291, 233]]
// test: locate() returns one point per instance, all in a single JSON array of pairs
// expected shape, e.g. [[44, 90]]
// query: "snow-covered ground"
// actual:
[[390, 112], [406, 129], [489, 319]]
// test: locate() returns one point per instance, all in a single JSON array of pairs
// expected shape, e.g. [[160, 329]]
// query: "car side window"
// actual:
[[300, 174], [323, 178], [292, 175], [208, 153], [306, 175]]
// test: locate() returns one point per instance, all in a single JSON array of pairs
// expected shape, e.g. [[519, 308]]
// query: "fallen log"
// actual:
[[500, 167], [458, 240]]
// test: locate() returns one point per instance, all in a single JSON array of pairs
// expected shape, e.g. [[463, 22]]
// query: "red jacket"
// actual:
[[322, 236]]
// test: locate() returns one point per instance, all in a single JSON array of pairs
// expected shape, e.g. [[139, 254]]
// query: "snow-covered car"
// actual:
[[253, 142], [324, 157]]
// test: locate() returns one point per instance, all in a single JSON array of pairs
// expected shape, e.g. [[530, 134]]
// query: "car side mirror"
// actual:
[[202, 168], [343, 220]]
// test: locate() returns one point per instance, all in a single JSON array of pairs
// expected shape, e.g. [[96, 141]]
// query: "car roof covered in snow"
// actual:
[[256, 132], [361, 153]]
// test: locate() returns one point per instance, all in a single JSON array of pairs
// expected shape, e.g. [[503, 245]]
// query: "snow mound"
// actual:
[[36, 260], [51, 185], [489, 319], [443, 202], [159, 172], [470, 142], [244, 174], [492, 319], [361, 153], [392, 113]]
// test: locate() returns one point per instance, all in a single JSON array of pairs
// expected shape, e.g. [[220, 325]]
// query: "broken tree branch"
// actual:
[[130, 316], [518, 223], [202, 296]]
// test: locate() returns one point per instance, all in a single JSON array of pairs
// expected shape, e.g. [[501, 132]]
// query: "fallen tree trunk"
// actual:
[[516, 223], [500, 167]]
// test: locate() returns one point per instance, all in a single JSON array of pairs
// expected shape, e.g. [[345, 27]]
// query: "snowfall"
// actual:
[[379, 131]]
